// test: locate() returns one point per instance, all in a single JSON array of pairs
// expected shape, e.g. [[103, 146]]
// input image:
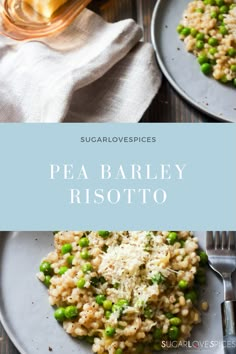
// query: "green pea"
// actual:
[[200, 10], [200, 36], [81, 283], [71, 312], [219, 2], [84, 242], [199, 45], [47, 280], [107, 304], [221, 17], [173, 333], [172, 238], [66, 248], [107, 314], [119, 351], [175, 321], [212, 2], [62, 270], [59, 314], [104, 234], [182, 243], [234, 82], [122, 302], [115, 308], [233, 68], [223, 30], [186, 31], [157, 334], [46, 268], [183, 284], [231, 52], [120, 305], [206, 68], [193, 32], [212, 51], [224, 9], [214, 14], [224, 79], [70, 260], [202, 59], [179, 28], [84, 254], [100, 299], [213, 41], [110, 331], [191, 295], [203, 256], [232, 6], [157, 347], [87, 267]]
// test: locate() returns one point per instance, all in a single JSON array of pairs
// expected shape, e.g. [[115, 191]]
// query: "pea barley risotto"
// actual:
[[125, 292], [208, 29]]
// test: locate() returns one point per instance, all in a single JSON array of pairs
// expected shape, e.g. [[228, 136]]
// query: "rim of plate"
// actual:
[[2, 317], [169, 77]]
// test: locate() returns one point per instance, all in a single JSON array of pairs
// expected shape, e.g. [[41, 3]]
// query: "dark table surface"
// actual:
[[168, 106]]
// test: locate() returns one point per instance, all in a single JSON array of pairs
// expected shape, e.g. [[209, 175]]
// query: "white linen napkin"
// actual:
[[93, 71]]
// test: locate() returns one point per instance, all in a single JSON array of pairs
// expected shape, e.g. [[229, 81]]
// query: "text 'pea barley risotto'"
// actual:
[[208, 29], [125, 292]]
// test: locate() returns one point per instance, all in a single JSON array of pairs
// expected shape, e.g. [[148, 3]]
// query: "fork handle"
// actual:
[[228, 310]]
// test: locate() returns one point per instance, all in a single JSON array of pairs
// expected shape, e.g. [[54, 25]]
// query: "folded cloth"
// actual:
[[93, 71]]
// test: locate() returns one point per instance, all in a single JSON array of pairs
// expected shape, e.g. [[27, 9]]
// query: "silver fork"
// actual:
[[221, 251]]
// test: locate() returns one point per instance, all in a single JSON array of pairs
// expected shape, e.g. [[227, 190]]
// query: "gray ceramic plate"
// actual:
[[181, 68], [28, 318]]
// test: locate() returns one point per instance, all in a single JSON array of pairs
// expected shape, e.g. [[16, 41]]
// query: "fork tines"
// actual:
[[221, 240]]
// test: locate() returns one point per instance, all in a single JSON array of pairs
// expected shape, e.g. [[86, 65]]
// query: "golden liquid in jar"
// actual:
[[20, 21]]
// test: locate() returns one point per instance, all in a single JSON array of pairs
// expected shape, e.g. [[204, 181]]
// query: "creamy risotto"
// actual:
[[125, 292], [208, 29]]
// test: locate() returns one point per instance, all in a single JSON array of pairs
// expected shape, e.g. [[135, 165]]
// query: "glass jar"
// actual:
[[20, 21]]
